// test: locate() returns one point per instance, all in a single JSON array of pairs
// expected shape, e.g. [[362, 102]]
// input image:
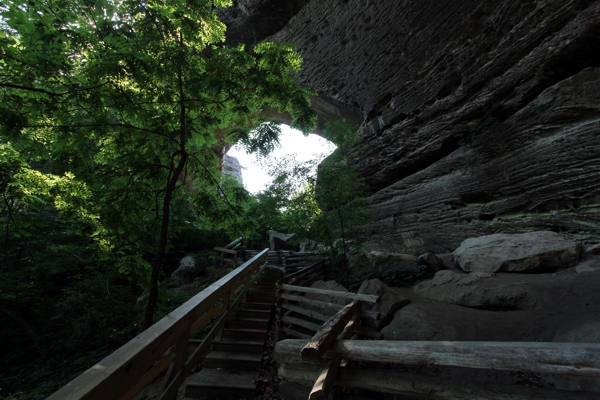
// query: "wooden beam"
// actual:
[[581, 359], [352, 296], [328, 333], [402, 383], [300, 322], [431, 388], [224, 250], [374, 315], [295, 333], [206, 317], [325, 381], [305, 311], [147, 379]]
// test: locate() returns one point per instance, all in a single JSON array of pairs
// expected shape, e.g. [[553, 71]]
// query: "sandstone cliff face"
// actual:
[[477, 117]]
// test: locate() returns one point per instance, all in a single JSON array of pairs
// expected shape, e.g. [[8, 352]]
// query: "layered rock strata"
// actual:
[[478, 117]]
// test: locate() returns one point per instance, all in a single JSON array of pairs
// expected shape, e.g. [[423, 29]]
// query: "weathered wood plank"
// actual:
[[320, 342], [581, 359], [374, 315], [396, 382], [114, 375], [147, 379], [206, 317], [404, 383], [325, 381], [217, 328], [352, 296], [295, 333], [300, 322], [224, 250], [304, 311], [230, 245]]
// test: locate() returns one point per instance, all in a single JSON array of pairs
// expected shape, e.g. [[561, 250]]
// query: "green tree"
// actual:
[[126, 100], [318, 200]]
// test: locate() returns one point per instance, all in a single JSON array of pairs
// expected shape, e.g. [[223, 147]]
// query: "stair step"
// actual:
[[249, 334], [232, 360], [261, 295], [241, 346], [247, 323], [257, 305], [222, 384], [249, 313]]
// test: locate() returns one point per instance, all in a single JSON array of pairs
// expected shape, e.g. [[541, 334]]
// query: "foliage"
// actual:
[[110, 113], [318, 202]]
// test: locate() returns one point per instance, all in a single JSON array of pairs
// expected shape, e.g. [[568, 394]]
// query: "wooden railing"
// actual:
[[324, 350], [228, 255], [163, 347], [578, 359]]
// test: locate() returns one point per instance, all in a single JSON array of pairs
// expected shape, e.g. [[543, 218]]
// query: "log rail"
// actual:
[[163, 347], [323, 349]]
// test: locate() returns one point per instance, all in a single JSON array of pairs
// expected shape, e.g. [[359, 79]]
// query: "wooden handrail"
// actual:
[[116, 374]]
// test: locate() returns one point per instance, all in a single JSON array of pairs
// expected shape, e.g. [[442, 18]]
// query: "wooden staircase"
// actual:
[[230, 369]]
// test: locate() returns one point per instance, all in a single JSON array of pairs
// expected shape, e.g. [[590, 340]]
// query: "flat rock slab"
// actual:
[[477, 289], [518, 252]]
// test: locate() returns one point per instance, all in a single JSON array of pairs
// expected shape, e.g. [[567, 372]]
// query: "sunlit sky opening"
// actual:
[[292, 141]]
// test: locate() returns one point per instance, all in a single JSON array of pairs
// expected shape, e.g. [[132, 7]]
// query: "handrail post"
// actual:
[[226, 298]]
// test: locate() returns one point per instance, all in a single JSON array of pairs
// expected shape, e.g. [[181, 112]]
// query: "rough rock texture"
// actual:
[[477, 117], [232, 166], [379, 257], [590, 264], [329, 285], [520, 252], [431, 261], [188, 269], [478, 289], [561, 304], [388, 299]]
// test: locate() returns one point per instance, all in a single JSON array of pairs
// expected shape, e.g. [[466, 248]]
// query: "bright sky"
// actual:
[[292, 141]]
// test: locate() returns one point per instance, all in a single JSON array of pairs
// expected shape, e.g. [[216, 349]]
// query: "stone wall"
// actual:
[[477, 116]]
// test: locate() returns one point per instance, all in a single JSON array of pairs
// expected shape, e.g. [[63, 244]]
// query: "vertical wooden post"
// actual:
[[226, 298]]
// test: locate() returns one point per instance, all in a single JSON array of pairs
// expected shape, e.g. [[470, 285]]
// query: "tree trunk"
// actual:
[[166, 210]]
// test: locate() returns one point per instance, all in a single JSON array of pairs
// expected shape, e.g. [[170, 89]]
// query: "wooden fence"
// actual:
[[577, 359], [163, 347]]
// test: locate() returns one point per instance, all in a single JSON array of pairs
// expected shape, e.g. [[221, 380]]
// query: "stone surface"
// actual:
[[380, 257], [431, 261], [477, 289], [586, 333], [477, 117], [387, 298], [590, 264], [592, 250], [188, 269], [410, 323], [329, 285], [519, 252], [232, 166]]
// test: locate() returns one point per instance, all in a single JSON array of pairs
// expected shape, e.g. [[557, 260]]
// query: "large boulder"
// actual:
[[518, 252], [432, 262], [189, 269], [476, 289], [389, 301], [329, 285], [410, 323]]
